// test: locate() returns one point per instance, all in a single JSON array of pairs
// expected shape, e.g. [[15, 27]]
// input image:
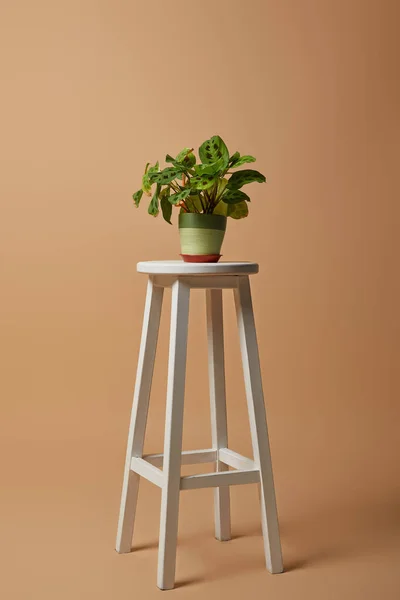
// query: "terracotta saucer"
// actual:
[[201, 258]]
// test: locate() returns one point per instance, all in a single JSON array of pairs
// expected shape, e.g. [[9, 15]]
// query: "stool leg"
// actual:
[[219, 434], [258, 424], [130, 488], [173, 436]]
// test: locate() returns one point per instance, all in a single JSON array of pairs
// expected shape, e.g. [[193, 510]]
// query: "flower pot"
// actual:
[[201, 236]]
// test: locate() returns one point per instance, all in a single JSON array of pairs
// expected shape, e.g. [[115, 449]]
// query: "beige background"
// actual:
[[91, 91]]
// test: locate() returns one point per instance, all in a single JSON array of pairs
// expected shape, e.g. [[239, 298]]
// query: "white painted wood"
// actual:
[[213, 277], [219, 430], [148, 471], [219, 479], [258, 424], [188, 457], [151, 321], [173, 436], [198, 281], [235, 460], [178, 267]]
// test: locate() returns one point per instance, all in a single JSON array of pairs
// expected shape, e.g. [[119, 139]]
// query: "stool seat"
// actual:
[[178, 267]]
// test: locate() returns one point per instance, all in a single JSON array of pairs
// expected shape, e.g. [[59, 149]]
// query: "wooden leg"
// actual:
[[173, 436], [258, 424], [130, 488], [216, 366]]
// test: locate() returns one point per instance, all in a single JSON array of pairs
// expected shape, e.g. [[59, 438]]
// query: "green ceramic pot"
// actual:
[[201, 234]]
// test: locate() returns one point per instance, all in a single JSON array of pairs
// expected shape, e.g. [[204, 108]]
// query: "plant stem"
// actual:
[[194, 207], [202, 204], [208, 199]]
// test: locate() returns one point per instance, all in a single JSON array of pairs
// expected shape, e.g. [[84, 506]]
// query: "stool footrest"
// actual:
[[235, 460], [188, 457], [246, 470], [148, 471], [219, 479]]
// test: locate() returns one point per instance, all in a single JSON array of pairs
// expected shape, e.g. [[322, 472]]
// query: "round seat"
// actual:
[[178, 267]]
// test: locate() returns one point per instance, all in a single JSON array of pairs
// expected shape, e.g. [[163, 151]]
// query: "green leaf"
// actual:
[[194, 204], [146, 179], [234, 196], [213, 150], [242, 160], [146, 185], [211, 168], [222, 183], [166, 205], [177, 198], [154, 169], [202, 182], [234, 158], [244, 177], [154, 208], [165, 176], [239, 210], [186, 158], [236, 211], [205, 169], [183, 154], [221, 209], [189, 160], [137, 196]]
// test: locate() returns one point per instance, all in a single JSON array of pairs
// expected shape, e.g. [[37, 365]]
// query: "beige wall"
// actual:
[[94, 89]]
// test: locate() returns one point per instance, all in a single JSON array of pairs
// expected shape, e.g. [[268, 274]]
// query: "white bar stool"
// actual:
[[164, 470]]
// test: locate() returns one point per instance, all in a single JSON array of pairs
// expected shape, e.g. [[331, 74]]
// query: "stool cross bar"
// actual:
[[164, 470]]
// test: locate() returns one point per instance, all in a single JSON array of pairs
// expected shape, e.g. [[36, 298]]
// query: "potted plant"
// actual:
[[205, 192]]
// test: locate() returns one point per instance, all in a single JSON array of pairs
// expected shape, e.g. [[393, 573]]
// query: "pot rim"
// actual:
[[202, 221]]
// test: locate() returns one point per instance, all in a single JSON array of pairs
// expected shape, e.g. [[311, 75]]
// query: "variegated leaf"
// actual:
[[243, 160], [166, 206], [165, 176], [239, 210], [213, 150], [146, 180], [177, 198], [137, 196], [234, 158], [202, 182], [234, 196], [154, 208], [241, 178]]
